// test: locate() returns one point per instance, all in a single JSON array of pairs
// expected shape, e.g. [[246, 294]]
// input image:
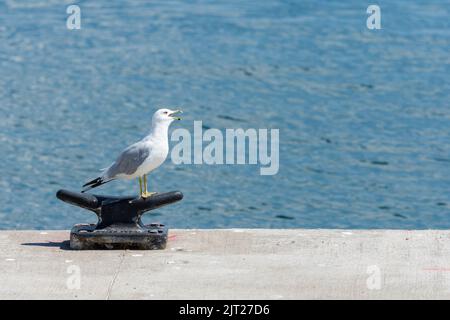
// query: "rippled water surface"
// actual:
[[364, 116]]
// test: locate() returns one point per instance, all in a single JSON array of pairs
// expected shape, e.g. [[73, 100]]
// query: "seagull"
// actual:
[[140, 158]]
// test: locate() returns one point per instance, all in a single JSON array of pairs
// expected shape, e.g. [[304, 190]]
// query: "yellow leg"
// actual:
[[140, 186], [146, 194], [145, 183]]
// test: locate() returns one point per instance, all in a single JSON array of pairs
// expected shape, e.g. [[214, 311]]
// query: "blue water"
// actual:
[[364, 116]]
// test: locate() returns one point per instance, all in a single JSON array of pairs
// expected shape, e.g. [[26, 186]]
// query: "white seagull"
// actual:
[[140, 158]]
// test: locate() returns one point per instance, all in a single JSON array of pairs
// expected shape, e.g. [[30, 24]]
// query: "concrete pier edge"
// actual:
[[233, 264]]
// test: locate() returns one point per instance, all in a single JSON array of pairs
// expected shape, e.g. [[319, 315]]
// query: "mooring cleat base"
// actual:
[[148, 237]]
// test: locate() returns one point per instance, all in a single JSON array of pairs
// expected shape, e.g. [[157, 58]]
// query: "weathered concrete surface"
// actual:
[[233, 264]]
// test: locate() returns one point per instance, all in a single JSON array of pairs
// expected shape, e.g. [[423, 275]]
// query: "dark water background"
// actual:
[[364, 116]]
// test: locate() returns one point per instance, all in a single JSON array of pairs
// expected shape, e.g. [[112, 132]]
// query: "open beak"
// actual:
[[173, 114]]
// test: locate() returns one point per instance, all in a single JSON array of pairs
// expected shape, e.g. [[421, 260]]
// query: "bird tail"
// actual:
[[94, 183]]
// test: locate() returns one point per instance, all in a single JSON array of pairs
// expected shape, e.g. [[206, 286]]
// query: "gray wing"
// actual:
[[129, 160]]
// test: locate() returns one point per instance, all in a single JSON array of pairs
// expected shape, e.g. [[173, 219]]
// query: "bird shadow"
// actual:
[[63, 245]]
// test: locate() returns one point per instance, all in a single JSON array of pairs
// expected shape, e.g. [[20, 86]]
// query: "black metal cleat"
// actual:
[[119, 223]]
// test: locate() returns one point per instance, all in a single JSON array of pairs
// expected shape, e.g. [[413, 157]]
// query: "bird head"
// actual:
[[166, 115]]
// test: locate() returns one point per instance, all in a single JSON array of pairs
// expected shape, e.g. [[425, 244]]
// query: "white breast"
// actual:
[[157, 156]]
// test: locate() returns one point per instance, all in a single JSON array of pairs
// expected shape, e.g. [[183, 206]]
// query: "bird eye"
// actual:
[[165, 112]]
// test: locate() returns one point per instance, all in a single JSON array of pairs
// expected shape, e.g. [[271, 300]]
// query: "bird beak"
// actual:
[[174, 113]]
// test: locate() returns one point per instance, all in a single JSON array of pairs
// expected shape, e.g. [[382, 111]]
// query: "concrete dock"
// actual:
[[232, 264]]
